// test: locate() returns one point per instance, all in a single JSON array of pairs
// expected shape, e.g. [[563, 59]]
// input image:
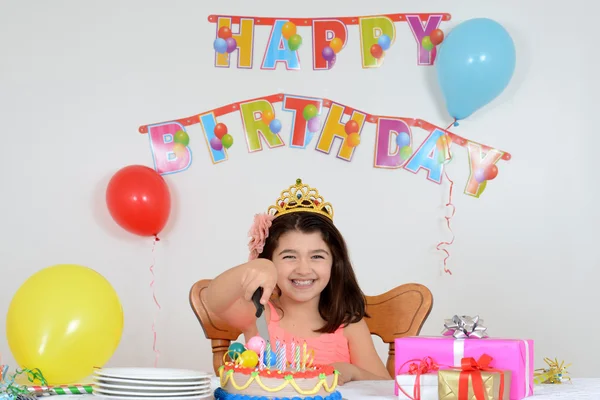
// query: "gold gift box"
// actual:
[[448, 385]]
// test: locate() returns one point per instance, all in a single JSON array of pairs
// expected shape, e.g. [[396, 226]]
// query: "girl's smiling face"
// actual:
[[303, 262]]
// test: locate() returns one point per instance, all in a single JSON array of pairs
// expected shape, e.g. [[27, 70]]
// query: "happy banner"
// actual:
[[328, 37], [327, 125]]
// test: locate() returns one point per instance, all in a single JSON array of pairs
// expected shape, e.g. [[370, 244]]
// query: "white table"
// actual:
[[579, 389]]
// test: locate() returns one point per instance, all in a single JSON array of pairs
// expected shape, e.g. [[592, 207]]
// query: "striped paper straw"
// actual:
[[71, 389]]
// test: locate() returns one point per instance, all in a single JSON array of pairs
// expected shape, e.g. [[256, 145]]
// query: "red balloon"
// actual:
[[351, 127], [490, 172], [220, 130], [436, 36], [224, 32], [138, 199], [376, 51]]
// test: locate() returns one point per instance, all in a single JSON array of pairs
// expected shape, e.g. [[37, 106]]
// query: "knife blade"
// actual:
[[261, 319]]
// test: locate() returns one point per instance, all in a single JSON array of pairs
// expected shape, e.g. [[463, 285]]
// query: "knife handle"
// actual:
[[256, 300]]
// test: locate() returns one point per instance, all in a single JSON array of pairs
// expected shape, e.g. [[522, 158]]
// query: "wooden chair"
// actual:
[[399, 312]]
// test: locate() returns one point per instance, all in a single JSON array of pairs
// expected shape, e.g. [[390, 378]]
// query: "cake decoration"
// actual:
[[235, 349], [248, 359], [255, 343], [268, 374]]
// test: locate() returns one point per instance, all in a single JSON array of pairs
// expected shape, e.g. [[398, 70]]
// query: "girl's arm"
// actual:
[[229, 295], [363, 355]]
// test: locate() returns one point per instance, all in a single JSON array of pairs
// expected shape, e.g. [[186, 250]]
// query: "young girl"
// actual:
[[300, 259]]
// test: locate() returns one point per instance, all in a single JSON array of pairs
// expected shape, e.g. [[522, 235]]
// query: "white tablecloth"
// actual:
[[579, 389]]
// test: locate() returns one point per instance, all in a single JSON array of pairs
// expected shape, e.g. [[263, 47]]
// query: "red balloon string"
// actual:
[[156, 352], [448, 218]]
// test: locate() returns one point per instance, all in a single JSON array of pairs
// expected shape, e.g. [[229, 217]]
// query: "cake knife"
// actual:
[[261, 319]]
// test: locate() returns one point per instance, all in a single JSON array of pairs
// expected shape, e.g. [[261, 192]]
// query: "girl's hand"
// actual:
[[348, 372], [259, 273]]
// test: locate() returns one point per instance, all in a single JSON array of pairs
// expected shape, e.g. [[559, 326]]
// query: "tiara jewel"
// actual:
[[301, 197]]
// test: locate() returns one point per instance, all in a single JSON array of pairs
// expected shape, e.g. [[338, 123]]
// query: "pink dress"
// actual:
[[328, 347]]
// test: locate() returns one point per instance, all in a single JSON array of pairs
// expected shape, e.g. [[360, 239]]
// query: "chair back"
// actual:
[[399, 312]]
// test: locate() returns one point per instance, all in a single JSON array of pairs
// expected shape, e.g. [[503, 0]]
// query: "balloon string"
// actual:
[[156, 352], [448, 218]]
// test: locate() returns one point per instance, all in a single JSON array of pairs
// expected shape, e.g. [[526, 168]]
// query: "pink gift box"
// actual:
[[515, 355]]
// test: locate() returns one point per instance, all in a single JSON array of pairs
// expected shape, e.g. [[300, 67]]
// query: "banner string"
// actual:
[[154, 348], [269, 21], [446, 217]]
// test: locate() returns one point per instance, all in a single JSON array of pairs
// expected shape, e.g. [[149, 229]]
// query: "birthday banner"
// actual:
[[328, 36], [337, 128]]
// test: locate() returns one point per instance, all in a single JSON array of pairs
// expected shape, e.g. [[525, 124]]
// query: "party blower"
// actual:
[[11, 390]]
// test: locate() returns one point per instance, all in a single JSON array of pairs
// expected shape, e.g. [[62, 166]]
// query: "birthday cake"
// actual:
[[259, 373], [241, 383]]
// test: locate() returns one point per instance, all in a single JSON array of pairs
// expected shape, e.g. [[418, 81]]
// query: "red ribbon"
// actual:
[[425, 366], [472, 369], [469, 369], [448, 218]]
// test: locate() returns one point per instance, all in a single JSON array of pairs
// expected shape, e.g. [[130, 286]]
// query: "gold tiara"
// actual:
[[301, 197]]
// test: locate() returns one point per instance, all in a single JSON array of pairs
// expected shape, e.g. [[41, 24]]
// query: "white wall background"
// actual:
[[78, 78]]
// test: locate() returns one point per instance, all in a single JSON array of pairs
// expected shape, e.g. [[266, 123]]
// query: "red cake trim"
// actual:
[[312, 373]]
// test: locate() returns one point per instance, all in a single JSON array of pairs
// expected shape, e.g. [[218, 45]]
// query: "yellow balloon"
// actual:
[[336, 45], [64, 320]]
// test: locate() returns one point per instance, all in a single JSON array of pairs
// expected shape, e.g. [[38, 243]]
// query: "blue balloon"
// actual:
[[220, 45], [384, 41], [403, 139], [474, 65], [275, 126]]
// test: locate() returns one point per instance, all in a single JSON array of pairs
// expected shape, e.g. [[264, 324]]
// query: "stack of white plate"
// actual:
[[151, 384]]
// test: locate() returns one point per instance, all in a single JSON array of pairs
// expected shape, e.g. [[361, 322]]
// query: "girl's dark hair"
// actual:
[[342, 302]]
